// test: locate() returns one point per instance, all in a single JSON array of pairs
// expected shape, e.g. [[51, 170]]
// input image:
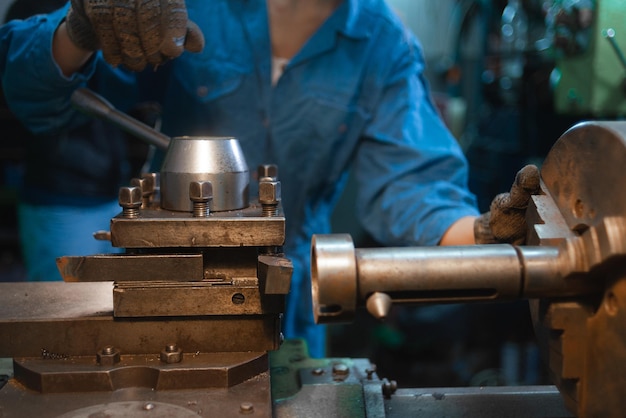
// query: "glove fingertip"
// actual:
[[173, 45], [194, 41], [528, 178]]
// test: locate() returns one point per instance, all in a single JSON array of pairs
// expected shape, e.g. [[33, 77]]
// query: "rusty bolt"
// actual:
[[269, 192], [171, 354], [269, 196], [147, 185], [341, 369], [268, 170], [129, 199], [389, 388], [200, 193], [108, 356], [370, 371], [317, 372]]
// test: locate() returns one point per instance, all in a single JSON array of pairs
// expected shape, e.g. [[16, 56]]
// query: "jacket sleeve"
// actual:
[[411, 171], [35, 89]]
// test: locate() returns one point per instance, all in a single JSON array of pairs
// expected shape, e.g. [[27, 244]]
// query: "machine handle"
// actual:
[[93, 104], [609, 34]]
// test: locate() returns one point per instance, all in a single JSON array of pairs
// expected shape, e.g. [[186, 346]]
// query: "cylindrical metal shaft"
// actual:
[[344, 277], [95, 105]]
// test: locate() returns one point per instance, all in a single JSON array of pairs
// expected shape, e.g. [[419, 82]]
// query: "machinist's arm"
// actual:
[[460, 233], [67, 55], [506, 220]]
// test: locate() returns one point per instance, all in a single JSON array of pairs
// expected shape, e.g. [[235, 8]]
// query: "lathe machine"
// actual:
[[186, 321]]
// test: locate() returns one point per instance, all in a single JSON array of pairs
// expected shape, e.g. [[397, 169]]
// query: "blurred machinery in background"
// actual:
[[590, 75]]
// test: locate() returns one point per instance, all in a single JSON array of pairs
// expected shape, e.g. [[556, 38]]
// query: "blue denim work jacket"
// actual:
[[353, 98]]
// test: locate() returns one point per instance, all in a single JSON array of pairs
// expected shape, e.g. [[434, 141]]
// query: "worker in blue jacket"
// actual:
[[317, 87]]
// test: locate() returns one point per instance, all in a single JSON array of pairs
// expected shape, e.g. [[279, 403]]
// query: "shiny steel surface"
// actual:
[[344, 277], [214, 159]]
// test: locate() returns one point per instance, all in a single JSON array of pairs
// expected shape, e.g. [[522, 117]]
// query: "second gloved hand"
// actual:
[[133, 32], [506, 220]]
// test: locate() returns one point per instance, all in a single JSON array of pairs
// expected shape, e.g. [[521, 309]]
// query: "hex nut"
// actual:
[[269, 192], [171, 354], [108, 356]]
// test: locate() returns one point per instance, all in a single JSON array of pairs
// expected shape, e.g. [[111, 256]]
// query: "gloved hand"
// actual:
[[133, 32], [506, 220]]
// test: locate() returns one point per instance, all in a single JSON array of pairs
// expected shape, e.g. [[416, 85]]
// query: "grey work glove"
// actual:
[[133, 32], [506, 220]]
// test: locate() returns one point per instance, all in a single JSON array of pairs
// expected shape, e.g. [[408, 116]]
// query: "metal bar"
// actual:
[[131, 267], [95, 105]]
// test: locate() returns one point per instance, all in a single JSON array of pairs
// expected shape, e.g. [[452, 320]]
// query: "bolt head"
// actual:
[[269, 192], [200, 191], [129, 197]]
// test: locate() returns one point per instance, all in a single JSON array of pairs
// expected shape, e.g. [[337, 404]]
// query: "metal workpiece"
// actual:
[[344, 278], [218, 160]]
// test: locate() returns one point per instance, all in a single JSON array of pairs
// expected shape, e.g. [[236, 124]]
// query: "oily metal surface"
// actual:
[[77, 319], [150, 299], [16, 402], [478, 402], [162, 229], [85, 374], [131, 267]]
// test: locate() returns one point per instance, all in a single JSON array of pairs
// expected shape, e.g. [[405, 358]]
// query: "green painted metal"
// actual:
[[594, 82]]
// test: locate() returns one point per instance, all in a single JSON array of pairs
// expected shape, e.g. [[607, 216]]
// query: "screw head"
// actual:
[[200, 191], [246, 408], [341, 369]]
